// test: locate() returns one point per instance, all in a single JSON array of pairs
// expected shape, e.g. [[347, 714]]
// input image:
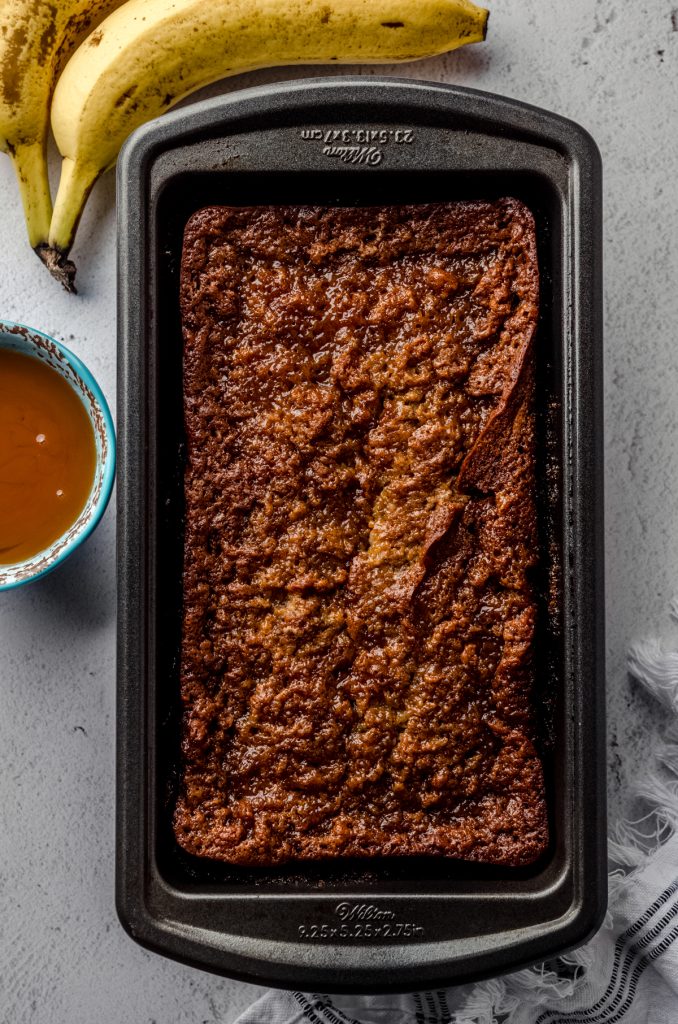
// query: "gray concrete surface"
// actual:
[[64, 959]]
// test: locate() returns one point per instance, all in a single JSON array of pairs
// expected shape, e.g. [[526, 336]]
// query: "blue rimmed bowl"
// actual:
[[33, 343]]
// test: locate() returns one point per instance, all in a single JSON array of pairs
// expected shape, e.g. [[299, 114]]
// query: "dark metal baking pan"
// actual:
[[390, 924]]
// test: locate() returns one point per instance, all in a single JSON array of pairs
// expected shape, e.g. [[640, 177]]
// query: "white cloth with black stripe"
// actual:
[[627, 974]]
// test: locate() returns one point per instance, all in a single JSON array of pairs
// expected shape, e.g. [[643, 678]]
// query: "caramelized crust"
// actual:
[[358, 624]]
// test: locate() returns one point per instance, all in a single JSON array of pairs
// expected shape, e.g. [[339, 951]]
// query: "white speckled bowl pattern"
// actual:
[[33, 343]]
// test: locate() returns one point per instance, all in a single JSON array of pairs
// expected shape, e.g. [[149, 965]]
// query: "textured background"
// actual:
[[613, 66]]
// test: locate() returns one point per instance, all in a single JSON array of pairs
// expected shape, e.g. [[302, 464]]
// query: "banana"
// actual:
[[149, 54], [36, 37]]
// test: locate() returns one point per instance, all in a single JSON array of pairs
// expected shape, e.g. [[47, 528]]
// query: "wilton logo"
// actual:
[[355, 154], [362, 912]]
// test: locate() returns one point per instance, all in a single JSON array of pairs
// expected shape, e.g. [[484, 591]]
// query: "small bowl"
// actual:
[[24, 339]]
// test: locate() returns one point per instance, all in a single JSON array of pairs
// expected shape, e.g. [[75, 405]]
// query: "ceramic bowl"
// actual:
[[33, 343]]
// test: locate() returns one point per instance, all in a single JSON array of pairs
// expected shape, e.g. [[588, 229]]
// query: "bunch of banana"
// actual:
[[149, 54], [36, 39]]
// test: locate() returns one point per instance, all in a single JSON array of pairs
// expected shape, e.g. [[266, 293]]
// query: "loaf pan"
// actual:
[[389, 924]]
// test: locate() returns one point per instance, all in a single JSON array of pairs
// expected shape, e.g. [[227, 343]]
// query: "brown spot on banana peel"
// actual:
[[11, 73], [48, 37], [127, 95]]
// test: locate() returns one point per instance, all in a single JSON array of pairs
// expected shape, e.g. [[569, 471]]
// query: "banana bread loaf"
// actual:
[[360, 530]]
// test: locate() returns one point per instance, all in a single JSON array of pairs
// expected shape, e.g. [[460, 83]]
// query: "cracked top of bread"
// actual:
[[360, 534]]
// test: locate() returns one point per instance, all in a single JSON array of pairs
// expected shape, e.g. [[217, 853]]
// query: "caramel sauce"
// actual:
[[47, 456]]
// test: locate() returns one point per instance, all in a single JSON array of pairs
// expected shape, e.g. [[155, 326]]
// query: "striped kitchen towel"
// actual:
[[627, 974]]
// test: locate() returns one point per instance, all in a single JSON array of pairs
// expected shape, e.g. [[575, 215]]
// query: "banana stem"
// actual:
[[75, 185], [30, 165]]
